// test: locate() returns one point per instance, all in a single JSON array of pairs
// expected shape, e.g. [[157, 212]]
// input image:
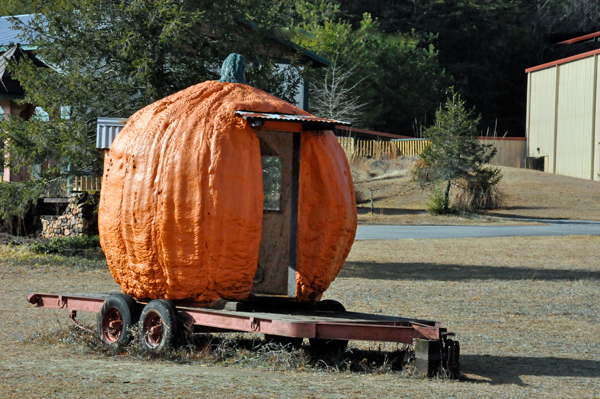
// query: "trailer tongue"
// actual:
[[326, 324]]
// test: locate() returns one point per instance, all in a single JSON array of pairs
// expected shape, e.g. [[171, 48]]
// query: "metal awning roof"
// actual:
[[309, 122], [106, 131]]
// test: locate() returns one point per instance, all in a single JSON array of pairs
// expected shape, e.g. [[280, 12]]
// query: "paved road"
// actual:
[[427, 232]]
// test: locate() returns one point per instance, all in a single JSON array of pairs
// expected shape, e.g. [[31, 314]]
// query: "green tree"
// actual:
[[484, 45], [455, 153], [14, 7], [111, 58], [396, 76], [16, 200]]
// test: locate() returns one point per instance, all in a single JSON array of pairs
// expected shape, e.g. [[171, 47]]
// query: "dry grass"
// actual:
[[525, 311], [529, 194]]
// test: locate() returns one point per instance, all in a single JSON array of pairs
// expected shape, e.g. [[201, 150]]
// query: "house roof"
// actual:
[[305, 54], [8, 35], [10, 88]]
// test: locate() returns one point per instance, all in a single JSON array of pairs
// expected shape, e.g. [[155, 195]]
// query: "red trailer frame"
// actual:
[[433, 348]]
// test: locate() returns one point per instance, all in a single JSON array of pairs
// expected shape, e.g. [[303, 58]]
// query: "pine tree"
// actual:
[[455, 156]]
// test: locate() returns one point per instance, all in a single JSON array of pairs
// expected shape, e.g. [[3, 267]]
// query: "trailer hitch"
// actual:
[[73, 315]]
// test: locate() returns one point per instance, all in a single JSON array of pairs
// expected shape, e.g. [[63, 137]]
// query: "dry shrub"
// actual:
[[481, 191], [360, 169], [478, 199], [420, 172], [368, 169]]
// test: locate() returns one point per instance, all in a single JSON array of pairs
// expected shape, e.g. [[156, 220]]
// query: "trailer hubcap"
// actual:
[[153, 330], [112, 325]]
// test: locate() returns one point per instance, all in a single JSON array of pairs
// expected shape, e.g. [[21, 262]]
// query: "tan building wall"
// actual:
[[511, 151], [541, 115], [562, 117]]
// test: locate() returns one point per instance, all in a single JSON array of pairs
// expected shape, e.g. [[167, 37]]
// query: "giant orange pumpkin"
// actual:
[[182, 199]]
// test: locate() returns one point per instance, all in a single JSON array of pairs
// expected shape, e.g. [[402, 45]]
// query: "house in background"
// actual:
[[563, 114], [282, 50], [10, 92]]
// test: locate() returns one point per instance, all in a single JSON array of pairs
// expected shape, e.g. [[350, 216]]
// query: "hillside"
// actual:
[[530, 194]]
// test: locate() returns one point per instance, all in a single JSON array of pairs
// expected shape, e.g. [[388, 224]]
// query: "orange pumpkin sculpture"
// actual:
[[182, 199]]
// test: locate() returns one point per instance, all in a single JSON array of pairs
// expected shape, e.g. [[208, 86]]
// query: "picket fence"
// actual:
[[379, 149]]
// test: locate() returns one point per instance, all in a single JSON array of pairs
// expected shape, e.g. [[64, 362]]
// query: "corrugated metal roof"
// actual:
[[9, 35], [106, 131], [309, 122], [4, 60]]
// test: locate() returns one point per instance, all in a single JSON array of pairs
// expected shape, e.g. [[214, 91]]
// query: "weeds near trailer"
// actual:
[[240, 350]]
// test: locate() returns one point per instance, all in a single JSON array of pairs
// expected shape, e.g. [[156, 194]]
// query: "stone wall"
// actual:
[[74, 222]]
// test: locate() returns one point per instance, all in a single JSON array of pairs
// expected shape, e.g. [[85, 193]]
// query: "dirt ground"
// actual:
[[526, 311], [529, 194]]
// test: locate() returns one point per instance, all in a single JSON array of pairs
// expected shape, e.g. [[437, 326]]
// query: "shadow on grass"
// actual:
[[449, 272], [509, 369]]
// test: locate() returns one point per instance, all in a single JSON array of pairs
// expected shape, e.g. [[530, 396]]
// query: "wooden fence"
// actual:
[[379, 149], [511, 150], [86, 183]]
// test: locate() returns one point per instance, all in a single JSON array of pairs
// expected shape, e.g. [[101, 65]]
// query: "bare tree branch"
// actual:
[[335, 96]]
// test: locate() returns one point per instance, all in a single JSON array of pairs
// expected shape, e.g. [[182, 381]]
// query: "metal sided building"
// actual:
[[563, 115]]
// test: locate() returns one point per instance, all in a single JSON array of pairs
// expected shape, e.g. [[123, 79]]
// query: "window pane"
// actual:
[[271, 183]]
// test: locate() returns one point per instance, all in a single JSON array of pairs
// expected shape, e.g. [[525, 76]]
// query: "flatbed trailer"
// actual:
[[326, 324]]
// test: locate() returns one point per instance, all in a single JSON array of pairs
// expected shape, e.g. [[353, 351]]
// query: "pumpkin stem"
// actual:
[[233, 69]]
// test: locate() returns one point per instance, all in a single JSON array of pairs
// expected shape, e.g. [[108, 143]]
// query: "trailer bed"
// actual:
[[285, 318]]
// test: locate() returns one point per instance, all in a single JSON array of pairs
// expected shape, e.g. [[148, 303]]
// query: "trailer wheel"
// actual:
[[330, 347], [159, 326], [116, 317]]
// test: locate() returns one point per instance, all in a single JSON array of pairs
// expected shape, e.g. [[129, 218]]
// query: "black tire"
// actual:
[[287, 342], [330, 347], [159, 326], [118, 314]]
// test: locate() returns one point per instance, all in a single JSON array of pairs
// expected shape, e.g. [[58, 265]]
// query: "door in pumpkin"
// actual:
[[276, 271]]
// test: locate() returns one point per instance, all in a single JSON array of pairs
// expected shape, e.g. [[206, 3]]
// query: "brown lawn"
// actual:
[[524, 309], [529, 194]]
